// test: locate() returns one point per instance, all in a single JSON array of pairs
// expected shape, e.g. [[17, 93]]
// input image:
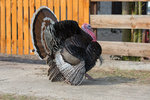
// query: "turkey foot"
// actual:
[[89, 77]]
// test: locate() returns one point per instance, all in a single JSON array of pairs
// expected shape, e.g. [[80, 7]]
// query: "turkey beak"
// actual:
[[101, 60]]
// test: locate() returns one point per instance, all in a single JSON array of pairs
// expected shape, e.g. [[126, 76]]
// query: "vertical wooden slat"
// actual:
[[69, 9], [86, 11], [50, 4], [31, 15], [93, 8], [75, 10], [26, 28], [38, 4], [14, 27], [20, 28], [56, 7], [93, 11], [81, 12], [8, 27], [44, 3], [3, 26], [63, 9]]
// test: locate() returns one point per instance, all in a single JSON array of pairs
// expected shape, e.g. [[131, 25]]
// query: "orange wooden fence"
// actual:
[[15, 19]]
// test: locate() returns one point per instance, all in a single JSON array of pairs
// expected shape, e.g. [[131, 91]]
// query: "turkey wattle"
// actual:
[[69, 50]]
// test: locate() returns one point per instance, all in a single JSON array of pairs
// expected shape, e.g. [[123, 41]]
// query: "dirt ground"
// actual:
[[27, 76]]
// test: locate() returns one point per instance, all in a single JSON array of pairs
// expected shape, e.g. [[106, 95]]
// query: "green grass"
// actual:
[[142, 77], [14, 97]]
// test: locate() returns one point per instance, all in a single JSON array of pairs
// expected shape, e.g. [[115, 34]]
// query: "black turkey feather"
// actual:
[[70, 51]]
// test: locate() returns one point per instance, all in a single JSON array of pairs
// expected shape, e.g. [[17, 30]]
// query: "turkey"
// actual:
[[70, 51]]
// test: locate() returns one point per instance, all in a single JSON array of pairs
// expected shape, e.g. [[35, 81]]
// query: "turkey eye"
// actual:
[[89, 26]]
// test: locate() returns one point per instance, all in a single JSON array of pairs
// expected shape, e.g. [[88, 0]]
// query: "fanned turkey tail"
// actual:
[[41, 19], [42, 37]]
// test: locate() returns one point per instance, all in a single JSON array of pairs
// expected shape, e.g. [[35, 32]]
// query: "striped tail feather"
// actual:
[[54, 73], [46, 16]]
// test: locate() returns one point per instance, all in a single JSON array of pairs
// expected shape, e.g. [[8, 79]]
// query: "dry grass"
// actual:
[[141, 77], [14, 97]]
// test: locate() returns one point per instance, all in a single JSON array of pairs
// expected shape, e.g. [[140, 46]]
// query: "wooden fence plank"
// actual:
[[120, 21], [38, 4], [75, 10], [86, 11], [32, 4], [69, 9], [26, 28], [44, 3], [120, 0], [14, 27], [63, 9], [125, 48], [8, 27], [51, 4], [20, 28], [3, 26], [56, 8], [81, 12]]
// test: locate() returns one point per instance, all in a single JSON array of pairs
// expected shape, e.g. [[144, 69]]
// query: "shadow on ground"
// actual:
[[98, 81], [108, 80], [22, 59]]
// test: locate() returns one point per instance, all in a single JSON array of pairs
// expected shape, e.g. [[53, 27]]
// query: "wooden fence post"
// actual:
[[26, 28], [93, 11], [8, 27], [3, 32], [14, 27]]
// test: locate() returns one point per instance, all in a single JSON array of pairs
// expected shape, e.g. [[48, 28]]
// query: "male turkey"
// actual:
[[69, 50]]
